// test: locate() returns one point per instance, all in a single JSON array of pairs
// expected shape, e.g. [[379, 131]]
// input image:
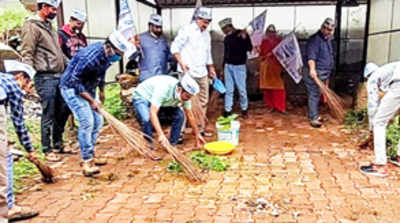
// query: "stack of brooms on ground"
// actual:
[[137, 140]]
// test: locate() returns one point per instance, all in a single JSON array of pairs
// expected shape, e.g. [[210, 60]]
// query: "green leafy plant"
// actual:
[[356, 118], [209, 162], [174, 167], [12, 18], [113, 102], [225, 122], [393, 137]]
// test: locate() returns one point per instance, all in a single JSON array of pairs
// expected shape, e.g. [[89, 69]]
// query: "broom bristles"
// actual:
[[46, 171], [198, 111], [335, 103], [136, 139]]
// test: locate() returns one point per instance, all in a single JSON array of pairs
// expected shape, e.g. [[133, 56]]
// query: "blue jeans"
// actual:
[[235, 75], [54, 111], [313, 91], [142, 108], [10, 173], [89, 120]]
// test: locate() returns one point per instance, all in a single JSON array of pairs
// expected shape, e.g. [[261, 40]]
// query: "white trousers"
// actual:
[[387, 109]]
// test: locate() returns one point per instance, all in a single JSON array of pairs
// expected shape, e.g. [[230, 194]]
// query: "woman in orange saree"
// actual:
[[271, 82]]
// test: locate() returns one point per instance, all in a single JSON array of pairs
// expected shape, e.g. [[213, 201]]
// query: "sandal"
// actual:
[[373, 171]]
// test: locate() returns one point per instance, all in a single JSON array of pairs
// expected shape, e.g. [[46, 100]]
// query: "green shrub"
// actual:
[[12, 18], [356, 118], [113, 102], [393, 137]]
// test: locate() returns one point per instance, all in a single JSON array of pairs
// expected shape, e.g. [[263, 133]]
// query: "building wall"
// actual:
[[384, 31]]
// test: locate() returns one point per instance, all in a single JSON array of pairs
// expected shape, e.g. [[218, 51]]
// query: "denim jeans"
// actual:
[[235, 75], [3, 165], [54, 111], [89, 120], [142, 108], [10, 173], [313, 91]]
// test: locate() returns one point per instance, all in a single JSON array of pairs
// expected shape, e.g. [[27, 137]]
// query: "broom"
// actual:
[[335, 103], [136, 139], [46, 171]]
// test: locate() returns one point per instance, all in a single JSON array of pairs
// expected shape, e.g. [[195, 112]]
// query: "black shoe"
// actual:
[[315, 123], [245, 115], [180, 141], [226, 114]]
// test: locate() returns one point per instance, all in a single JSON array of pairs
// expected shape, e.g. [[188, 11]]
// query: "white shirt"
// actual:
[[380, 80], [194, 47]]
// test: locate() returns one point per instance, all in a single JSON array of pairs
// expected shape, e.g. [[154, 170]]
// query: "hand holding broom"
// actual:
[[46, 171]]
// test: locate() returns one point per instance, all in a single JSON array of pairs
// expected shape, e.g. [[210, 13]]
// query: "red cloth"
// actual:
[[275, 98]]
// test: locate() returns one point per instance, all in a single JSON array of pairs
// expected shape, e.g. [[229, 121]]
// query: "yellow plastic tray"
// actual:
[[219, 148]]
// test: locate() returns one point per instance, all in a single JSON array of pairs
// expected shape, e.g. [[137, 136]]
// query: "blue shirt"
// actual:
[[155, 58], [320, 50], [14, 97], [86, 70]]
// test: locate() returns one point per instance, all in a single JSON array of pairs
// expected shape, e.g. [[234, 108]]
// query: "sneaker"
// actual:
[[99, 161], [371, 170], [63, 150], [395, 160], [88, 168], [180, 141], [315, 123], [226, 114], [17, 213], [52, 157], [321, 119], [245, 115]]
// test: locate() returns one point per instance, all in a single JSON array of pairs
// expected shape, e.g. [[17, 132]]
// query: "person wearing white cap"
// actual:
[[236, 45], [166, 91], [192, 50], [13, 83], [84, 74], [42, 51], [153, 51], [320, 62], [383, 88], [70, 35]]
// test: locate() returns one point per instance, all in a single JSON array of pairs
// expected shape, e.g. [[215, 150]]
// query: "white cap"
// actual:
[[189, 85], [79, 15], [155, 19], [118, 40], [225, 22], [328, 23], [369, 69], [54, 3], [15, 66], [204, 13]]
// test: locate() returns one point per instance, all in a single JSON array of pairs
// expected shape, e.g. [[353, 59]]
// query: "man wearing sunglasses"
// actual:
[[319, 63], [86, 72]]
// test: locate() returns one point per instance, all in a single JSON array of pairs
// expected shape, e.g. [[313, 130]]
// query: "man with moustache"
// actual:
[[153, 50]]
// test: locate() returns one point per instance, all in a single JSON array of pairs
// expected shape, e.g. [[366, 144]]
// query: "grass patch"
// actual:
[[203, 161]]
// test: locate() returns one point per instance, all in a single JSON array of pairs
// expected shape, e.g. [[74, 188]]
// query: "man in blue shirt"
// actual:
[[12, 84], [85, 72], [319, 63], [153, 51]]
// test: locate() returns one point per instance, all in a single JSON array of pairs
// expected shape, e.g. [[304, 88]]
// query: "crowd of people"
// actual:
[[69, 77]]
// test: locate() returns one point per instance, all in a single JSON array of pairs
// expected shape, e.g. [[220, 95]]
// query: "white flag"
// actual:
[[126, 25], [287, 52], [198, 5], [258, 23]]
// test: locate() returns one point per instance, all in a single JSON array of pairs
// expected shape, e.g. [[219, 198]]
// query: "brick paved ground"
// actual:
[[308, 175]]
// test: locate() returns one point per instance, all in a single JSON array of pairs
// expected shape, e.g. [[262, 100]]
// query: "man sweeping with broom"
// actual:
[[12, 84], [166, 91], [382, 80], [319, 65], [86, 72]]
